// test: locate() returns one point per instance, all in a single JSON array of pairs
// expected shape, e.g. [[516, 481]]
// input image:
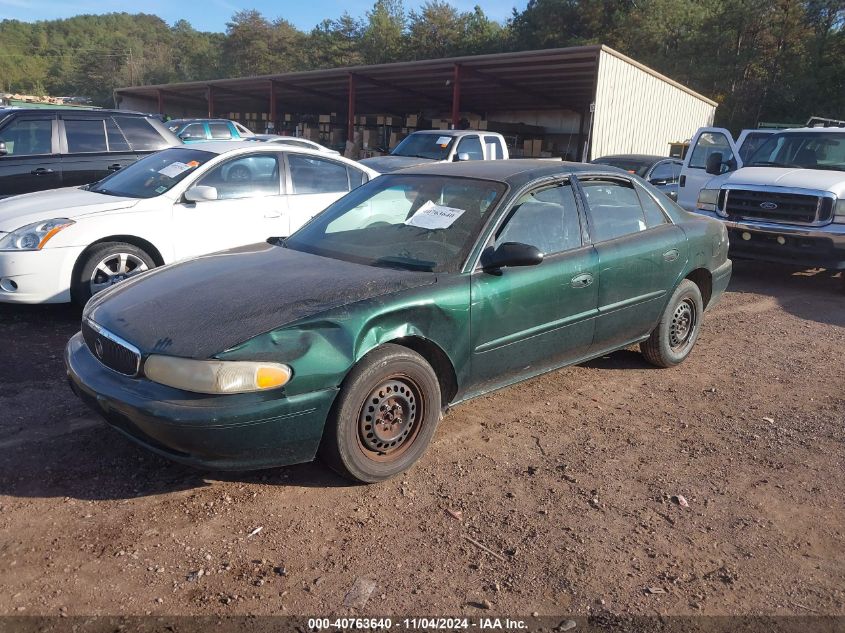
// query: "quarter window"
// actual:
[[117, 142], [654, 215], [246, 177], [140, 133], [316, 175], [27, 137], [615, 210], [546, 218], [85, 135], [494, 147]]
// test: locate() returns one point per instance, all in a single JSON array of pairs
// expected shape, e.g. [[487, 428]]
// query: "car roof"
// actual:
[[513, 171], [452, 132], [817, 130], [74, 111]]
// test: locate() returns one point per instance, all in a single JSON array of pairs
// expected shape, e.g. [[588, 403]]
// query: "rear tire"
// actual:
[[385, 416], [121, 259], [676, 333]]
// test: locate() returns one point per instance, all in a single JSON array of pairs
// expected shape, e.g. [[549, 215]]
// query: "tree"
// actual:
[[382, 40]]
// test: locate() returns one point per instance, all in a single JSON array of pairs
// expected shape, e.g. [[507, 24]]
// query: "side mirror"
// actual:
[[713, 166], [510, 254], [3, 150], [201, 193], [462, 157], [659, 182]]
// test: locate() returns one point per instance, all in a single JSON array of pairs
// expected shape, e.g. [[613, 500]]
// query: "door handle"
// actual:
[[682, 182], [114, 167], [581, 281], [671, 255], [41, 171]]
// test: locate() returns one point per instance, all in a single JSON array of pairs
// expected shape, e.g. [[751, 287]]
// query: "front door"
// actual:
[[249, 207], [31, 162], [524, 320], [693, 175], [641, 257]]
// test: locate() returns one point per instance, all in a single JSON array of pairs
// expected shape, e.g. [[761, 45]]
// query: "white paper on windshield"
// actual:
[[444, 140], [173, 169], [434, 216]]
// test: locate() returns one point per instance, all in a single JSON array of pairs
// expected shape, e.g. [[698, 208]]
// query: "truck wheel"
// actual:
[[673, 338], [385, 416], [108, 264]]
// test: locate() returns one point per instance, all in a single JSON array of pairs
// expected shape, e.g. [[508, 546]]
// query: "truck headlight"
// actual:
[[33, 237], [216, 376], [839, 212], [708, 199]]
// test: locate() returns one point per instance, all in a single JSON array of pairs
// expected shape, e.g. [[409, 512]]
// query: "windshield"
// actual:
[[806, 150], [631, 166], [153, 175], [414, 222], [433, 146]]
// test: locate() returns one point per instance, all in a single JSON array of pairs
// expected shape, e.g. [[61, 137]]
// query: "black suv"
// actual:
[[52, 147]]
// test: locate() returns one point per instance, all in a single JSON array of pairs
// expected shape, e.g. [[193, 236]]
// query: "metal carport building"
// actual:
[[600, 100]]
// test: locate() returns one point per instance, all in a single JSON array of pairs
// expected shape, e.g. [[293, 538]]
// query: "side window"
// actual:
[[27, 137], [309, 174], [546, 218], [614, 208], [140, 133], [654, 215], [662, 173], [708, 143], [241, 129], [472, 146], [193, 131], [494, 147], [252, 176], [220, 130], [85, 135], [117, 142], [751, 143], [356, 177]]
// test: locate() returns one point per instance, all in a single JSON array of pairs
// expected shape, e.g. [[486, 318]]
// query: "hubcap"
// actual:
[[683, 324], [389, 418], [113, 269]]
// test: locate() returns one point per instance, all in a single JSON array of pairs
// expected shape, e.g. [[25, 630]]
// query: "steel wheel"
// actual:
[[683, 324], [114, 268], [389, 419]]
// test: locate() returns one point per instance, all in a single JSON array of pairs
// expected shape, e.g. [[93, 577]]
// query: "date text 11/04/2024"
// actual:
[[423, 623]]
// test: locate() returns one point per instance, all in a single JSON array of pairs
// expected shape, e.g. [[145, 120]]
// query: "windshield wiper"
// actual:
[[404, 264], [768, 163]]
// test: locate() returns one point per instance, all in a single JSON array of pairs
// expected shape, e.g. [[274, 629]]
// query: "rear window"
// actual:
[[85, 135], [140, 133], [220, 130]]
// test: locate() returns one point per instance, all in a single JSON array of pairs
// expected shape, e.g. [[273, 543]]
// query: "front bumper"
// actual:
[[230, 432], [37, 276], [816, 246]]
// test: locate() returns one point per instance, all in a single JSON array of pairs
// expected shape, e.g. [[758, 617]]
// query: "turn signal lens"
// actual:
[[216, 376]]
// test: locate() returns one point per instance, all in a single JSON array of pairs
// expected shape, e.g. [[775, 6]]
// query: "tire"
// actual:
[[369, 434], [678, 329], [91, 277]]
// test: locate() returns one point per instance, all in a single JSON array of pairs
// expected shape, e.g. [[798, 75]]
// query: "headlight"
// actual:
[[33, 237], [708, 199], [216, 376], [839, 212]]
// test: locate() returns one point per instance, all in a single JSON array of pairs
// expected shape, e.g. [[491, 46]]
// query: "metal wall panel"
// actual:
[[641, 112]]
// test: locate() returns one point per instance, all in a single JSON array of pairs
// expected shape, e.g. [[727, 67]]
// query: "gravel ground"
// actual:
[[713, 488]]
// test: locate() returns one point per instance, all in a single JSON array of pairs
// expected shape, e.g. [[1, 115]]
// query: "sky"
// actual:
[[212, 15]]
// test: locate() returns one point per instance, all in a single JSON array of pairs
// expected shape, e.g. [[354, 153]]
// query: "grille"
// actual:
[[110, 350], [790, 208]]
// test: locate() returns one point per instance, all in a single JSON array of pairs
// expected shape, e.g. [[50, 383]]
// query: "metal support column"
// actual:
[[160, 97], [350, 112], [273, 114], [209, 95], [456, 97]]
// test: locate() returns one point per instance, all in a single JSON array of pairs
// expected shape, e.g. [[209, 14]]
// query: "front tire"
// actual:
[[105, 265], [385, 416], [676, 333]]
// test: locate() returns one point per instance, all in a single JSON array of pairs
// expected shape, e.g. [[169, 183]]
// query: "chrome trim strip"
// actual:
[[114, 338]]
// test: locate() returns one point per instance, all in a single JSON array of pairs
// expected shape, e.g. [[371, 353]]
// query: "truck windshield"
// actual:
[[433, 146], [805, 150]]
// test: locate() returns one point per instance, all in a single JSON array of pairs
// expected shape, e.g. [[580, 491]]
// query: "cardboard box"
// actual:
[[325, 118], [411, 120]]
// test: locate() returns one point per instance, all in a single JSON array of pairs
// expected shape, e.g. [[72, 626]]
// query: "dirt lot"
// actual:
[[568, 479]]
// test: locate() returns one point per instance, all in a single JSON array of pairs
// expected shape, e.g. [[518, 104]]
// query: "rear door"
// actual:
[[641, 257], [693, 175], [92, 148], [32, 159]]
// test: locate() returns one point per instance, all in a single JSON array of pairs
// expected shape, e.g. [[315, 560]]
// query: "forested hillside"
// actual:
[[773, 60]]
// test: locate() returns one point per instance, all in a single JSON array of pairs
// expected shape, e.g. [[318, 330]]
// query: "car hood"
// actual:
[[201, 307], [386, 164], [68, 202], [823, 180]]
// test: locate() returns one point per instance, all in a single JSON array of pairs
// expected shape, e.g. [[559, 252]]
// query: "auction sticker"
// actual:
[[434, 216], [174, 169]]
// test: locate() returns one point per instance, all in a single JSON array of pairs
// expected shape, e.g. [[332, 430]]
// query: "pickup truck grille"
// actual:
[[772, 206], [110, 350]]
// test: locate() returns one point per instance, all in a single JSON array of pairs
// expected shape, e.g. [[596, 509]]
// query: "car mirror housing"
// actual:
[[510, 254], [462, 157], [201, 193]]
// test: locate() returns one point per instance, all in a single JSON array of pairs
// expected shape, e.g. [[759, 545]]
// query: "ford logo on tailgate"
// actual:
[[768, 206]]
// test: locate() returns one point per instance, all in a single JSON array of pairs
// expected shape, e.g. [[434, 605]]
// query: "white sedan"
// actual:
[[68, 244]]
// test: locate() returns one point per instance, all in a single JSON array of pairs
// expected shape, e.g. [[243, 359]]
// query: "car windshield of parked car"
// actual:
[[631, 166], [153, 175], [804, 150], [433, 146], [412, 222]]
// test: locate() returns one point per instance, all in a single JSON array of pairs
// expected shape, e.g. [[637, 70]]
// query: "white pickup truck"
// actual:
[[440, 146], [782, 199]]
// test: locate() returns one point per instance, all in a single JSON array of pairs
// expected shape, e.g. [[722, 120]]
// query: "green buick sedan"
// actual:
[[417, 291]]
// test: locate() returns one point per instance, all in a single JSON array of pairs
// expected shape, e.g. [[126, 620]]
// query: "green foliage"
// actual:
[[774, 60]]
